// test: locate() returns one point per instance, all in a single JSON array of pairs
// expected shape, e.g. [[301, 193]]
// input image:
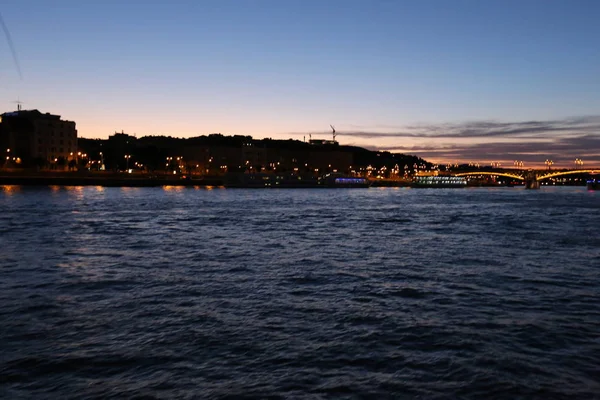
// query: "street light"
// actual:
[[127, 157], [549, 163], [7, 158], [578, 163]]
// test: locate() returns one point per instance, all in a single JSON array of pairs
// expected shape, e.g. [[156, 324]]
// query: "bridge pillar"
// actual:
[[531, 181], [532, 184]]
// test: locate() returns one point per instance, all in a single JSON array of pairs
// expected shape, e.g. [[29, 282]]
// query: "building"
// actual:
[[323, 142], [33, 137]]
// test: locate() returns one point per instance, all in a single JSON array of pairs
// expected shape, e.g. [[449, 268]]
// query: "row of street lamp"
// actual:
[[520, 164], [517, 163]]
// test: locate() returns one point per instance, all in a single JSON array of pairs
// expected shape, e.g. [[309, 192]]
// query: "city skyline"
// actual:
[[446, 81]]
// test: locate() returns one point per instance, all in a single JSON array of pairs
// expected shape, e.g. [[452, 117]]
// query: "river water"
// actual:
[[312, 293]]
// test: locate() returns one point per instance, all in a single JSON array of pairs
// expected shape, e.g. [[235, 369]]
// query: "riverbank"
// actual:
[[113, 179], [108, 180]]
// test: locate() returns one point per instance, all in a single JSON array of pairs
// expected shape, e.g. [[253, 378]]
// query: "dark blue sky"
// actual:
[[288, 67]]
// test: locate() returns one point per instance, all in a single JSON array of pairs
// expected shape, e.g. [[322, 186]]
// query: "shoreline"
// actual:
[[112, 181], [56, 178], [126, 180]]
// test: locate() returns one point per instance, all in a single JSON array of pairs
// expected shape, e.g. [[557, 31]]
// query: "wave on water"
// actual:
[[278, 294]]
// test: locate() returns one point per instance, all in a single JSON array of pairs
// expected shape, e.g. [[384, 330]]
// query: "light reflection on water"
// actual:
[[383, 293], [10, 189]]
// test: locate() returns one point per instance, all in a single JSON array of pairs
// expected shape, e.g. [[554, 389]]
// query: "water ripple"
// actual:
[[246, 294]]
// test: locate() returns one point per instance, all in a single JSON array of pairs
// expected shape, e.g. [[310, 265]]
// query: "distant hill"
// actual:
[[153, 151]]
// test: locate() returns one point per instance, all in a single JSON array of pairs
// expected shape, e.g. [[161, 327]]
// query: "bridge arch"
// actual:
[[573, 172], [505, 174]]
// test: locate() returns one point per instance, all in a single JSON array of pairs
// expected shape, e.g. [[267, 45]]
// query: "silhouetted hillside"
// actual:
[[216, 151]]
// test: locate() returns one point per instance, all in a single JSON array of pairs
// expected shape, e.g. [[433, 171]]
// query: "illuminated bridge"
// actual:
[[531, 178]]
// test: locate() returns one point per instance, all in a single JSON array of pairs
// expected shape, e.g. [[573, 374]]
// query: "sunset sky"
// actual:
[[448, 80]]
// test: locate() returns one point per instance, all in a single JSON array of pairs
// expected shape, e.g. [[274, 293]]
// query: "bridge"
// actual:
[[531, 178]]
